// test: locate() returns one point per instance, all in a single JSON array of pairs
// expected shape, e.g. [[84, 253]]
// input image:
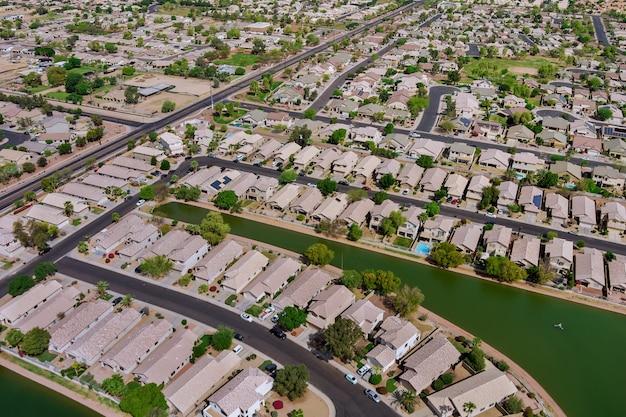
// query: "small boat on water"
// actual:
[[559, 326]]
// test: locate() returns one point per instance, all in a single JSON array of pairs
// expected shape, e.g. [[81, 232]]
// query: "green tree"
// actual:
[[351, 278], [157, 266], [289, 175], [102, 287], [35, 341], [223, 338], [301, 135], [380, 196], [469, 407], [354, 232], [504, 269], [546, 179], [115, 217], [386, 181], [327, 186], [407, 300], [432, 208], [114, 385], [337, 137], [383, 282], [165, 165], [292, 318], [56, 76], [356, 194], [43, 270], [64, 148], [226, 199], [319, 254], [476, 356], [30, 196], [425, 161], [68, 208], [32, 79], [71, 82], [341, 338], [513, 405], [454, 77], [82, 247], [28, 167], [127, 300], [447, 126], [447, 256], [147, 192], [131, 95], [168, 106], [141, 400], [292, 381], [604, 114], [14, 337], [20, 284], [213, 228]]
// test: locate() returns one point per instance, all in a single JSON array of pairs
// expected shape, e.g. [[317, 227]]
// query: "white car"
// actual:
[[492, 215], [247, 317], [415, 135], [238, 349], [140, 202], [351, 379]]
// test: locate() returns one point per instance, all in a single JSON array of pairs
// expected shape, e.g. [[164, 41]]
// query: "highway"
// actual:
[[349, 400], [10, 197]]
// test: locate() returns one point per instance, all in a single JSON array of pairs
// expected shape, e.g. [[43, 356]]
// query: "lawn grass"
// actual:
[[226, 120], [35, 90], [264, 364], [239, 60], [83, 70], [76, 222], [6, 265], [201, 345], [177, 11], [390, 385], [403, 241], [530, 62], [47, 356], [57, 95], [255, 310], [97, 210]]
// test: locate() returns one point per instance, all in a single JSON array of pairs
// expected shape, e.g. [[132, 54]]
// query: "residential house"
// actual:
[[128, 175], [284, 154], [616, 148], [266, 150], [432, 180], [530, 198], [91, 194], [590, 146], [485, 390], [168, 359], [557, 208], [483, 87], [343, 108], [364, 170], [365, 314], [520, 133], [281, 199], [437, 229], [607, 176], [513, 101], [474, 192], [136, 346], [398, 334], [242, 184], [20, 307], [560, 254], [202, 178], [382, 357], [456, 184], [50, 215], [130, 231], [494, 158], [172, 143], [277, 118], [589, 269], [146, 153], [345, 164], [552, 138], [496, 241], [77, 323], [255, 118], [273, 278], [244, 270], [18, 158], [466, 237], [462, 153], [526, 162], [366, 134], [584, 212], [525, 251], [183, 249], [58, 200], [466, 105], [381, 212], [488, 130], [216, 261], [53, 309], [303, 289], [427, 363], [410, 227], [409, 176], [582, 127], [426, 147], [357, 212], [303, 158], [613, 216], [330, 208], [398, 142], [388, 166], [262, 189], [249, 144], [617, 274], [584, 107], [558, 124], [242, 396], [307, 202], [565, 169], [324, 161], [329, 304]]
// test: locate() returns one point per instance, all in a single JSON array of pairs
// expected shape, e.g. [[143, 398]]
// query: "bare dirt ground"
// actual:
[[191, 86], [523, 70]]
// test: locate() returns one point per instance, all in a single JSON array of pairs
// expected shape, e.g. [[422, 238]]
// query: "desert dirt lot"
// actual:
[[194, 87]]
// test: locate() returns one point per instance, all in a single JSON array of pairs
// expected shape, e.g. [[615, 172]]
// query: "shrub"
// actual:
[[376, 379], [502, 365], [580, 243], [447, 379], [438, 384]]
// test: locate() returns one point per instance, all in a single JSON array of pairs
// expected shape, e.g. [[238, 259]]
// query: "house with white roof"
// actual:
[[244, 395], [388, 166], [357, 212], [409, 176], [172, 143], [48, 214], [560, 254], [364, 170], [525, 251], [365, 314], [432, 180], [168, 358], [183, 249], [456, 184], [382, 357], [307, 202], [146, 153], [120, 173], [269, 148], [329, 304], [131, 163], [484, 390], [427, 363], [366, 134], [398, 334], [330, 208], [244, 270], [243, 183], [427, 147], [273, 279], [607, 176], [21, 306], [50, 312], [494, 158], [216, 261], [86, 193], [474, 192], [191, 388], [613, 216], [589, 269], [303, 289], [410, 227], [58, 200], [508, 194], [77, 323], [584, 211], [466, 105], [283, 154]]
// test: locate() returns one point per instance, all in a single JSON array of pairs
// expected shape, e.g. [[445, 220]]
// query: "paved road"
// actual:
[[430, 113], [9, 198], [600, 32], [14, 138], [527, 39], [348, 399]]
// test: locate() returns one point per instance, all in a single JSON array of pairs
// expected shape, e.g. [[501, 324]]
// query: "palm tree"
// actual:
[[127, 300], [102, 287], [409, 400], [468, 407], [194, 165], [237, 207], [68, 208]]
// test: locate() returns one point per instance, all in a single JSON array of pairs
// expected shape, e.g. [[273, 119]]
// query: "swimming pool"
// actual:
[[423, 249]]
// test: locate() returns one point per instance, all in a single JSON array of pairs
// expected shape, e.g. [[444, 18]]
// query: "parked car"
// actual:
[[366, 188], [247, 317], [238, 349], [266, 313], [351, 379], [363, 370], [372, 395], [415, 135], [492, 215], [278, 333], [238, 336], [45, 250], [117, 300], [271, 367], [140, 202], [275, 318]]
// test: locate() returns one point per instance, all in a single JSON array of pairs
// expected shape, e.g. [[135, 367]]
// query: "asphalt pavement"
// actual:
[[600, 32], [13, 138], [430, 113]]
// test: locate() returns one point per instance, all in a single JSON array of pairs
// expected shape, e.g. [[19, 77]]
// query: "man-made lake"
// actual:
[[572, 364]]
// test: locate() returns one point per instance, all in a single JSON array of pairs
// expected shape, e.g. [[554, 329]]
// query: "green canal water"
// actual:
[[583, 366], [21, 397]]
